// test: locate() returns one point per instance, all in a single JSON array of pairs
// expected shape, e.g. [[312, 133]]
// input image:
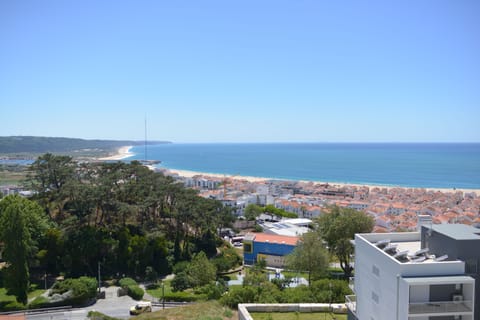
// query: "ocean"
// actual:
[[424, 165]]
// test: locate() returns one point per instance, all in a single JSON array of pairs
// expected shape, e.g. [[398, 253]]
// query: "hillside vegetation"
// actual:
[[17, 145]]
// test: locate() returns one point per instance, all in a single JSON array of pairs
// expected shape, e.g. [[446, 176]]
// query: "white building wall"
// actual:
[[375, 282], [378, 277]]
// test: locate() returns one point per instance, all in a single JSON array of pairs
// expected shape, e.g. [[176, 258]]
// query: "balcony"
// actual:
[[440, 307], [351, 303]]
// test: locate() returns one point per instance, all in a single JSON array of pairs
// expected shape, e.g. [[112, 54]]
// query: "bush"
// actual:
[[83, 290], [180, 282], [184, 297], [212, 291], [180, 266], [135, 292], [125, 282], [13, 306], [258, 228], [238, 295], [227, 259], [326, 290]]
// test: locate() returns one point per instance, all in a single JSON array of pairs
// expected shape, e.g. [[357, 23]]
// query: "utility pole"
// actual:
[[146, 158], [163, 295], [99, 280], [45, 278]]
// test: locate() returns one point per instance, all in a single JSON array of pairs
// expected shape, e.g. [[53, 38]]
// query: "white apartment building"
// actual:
[[398, 279]]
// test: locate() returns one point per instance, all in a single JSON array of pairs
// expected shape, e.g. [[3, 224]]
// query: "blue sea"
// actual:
[[426, 165]]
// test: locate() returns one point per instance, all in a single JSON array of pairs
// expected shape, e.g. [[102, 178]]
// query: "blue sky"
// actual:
[[241, 71]]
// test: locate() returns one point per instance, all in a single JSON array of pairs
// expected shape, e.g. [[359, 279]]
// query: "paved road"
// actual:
[[112, 305]]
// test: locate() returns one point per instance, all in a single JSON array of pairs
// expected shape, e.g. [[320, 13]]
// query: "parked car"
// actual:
[[141, 307]]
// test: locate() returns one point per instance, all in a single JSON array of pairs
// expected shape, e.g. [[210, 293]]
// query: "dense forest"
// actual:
[[40, 145], [122, 215]]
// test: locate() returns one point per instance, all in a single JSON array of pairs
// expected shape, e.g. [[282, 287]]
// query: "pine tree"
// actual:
[[16, 239]]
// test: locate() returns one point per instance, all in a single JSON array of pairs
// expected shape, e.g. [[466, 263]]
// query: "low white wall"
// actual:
[[244, 309]]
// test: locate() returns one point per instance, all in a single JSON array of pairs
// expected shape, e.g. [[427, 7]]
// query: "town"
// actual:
[[393, 208]]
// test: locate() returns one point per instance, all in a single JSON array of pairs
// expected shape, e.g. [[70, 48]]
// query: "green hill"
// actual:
[[23, 145]]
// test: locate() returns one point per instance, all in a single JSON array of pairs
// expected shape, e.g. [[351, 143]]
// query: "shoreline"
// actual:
[[190, 174], [122, 153]]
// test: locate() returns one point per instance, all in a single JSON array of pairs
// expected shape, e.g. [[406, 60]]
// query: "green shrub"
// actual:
[[227, 259], [152, 286], [180, 282], [180, 266], [39, 302], [13, 306], [327, 290], [125, 282], [135, 292], [238, 295], [83, 290], [212, 291], [184, 296]]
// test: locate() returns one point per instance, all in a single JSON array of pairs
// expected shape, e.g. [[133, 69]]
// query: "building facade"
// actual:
[[458, 242], [408, 276], [269, 247]]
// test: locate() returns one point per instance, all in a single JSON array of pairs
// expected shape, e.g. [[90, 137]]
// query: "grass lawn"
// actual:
[[157, 293], [297, 316], [35, 293], [4, 298], [210, 310]]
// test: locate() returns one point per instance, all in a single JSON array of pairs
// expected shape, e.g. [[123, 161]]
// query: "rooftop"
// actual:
[[457, 231], [403, 247], [272, 238]]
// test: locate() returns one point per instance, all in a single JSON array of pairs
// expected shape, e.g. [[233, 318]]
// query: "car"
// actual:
[[141, 307]]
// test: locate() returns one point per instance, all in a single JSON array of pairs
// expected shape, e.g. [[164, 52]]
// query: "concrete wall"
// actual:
[[244, 309]]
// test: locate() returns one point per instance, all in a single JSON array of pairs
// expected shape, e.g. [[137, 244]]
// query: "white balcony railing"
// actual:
[[445, 307], [351, 303]]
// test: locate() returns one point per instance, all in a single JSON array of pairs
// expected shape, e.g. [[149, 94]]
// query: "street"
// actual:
[[113, 306]]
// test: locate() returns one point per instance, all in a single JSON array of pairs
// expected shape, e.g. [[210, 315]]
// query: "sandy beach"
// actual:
[[122, 153], [190, 174]]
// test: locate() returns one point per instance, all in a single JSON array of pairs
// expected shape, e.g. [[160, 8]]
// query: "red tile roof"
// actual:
[[273, 238]]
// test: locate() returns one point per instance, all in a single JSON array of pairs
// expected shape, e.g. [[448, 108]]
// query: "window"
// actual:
[[375, 270], [247, 247], [374, 297]]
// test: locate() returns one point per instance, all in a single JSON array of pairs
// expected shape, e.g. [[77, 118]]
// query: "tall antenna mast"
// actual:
[[146, 139]]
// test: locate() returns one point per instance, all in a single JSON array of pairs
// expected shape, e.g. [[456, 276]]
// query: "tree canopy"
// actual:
[[337, 226], [309, 255], [123, 215], [22, 226]]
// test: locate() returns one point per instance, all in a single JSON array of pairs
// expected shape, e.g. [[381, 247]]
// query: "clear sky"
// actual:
[[241, 71]]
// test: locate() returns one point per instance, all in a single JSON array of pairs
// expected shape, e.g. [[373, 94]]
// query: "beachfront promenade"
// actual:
[[394, 209]]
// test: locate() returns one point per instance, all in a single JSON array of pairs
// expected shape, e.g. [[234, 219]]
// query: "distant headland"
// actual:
[[32, 146]]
